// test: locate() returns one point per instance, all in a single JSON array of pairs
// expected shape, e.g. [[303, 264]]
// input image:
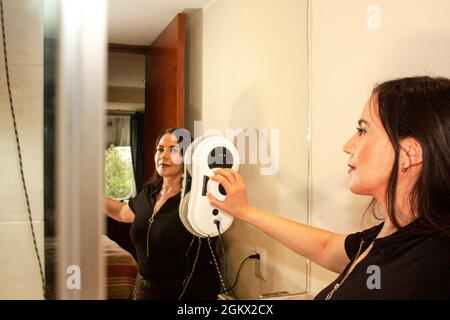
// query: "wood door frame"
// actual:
[[127, 48], [173, 37]]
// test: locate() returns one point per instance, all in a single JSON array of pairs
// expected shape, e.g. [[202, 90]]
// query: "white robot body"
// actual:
[[202, 157]]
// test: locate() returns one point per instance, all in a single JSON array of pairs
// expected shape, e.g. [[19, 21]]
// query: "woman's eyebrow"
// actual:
[[171, 146], [361, 121]]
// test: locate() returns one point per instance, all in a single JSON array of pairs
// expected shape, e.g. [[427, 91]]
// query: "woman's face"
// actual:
[[168, 158], [371, 154]]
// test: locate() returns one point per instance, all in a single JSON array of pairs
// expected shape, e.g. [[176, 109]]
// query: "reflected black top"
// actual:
[[413, 264], [169, 241]]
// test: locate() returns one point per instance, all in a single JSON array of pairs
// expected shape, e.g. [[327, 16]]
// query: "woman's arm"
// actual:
[[118, 211], [322, 247]]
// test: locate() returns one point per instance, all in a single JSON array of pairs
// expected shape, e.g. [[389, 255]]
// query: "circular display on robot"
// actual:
[[220, 157]]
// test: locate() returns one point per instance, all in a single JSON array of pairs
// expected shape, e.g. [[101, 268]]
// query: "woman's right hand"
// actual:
[[323, 247], [236, 202]]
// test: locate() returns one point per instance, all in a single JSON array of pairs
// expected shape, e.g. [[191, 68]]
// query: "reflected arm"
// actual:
[[118, 211]]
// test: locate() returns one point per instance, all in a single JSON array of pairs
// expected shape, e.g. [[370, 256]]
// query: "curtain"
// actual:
[[117, 131], [137, 147]]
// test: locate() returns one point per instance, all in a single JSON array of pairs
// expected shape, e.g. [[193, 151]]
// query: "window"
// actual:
[[119, 177]]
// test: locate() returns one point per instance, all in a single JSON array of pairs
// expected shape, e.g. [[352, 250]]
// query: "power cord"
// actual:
[[217, 223], [188, 278], [253, 256], [20, 152], [225, 263], [216, 263]]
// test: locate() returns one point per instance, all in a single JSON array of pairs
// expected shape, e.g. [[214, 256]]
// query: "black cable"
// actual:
[[253, 256], [19, 150], [225, 268], [217, 223], [222, 282], [189, 276], [225, 263]]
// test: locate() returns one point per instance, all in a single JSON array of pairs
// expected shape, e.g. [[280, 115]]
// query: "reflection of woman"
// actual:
[[166, 251], [400, 155]]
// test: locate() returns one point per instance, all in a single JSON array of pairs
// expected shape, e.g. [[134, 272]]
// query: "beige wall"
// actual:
[[253, 67], [19, 272], [255, 75], [126, 81], [347, 60]]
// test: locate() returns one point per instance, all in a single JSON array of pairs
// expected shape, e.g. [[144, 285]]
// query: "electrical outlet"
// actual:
[[261, 264]]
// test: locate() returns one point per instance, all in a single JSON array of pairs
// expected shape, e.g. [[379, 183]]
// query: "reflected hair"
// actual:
[[419, 107]]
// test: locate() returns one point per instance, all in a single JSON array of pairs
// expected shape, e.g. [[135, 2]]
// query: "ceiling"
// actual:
[[139, 22], [136, 22]]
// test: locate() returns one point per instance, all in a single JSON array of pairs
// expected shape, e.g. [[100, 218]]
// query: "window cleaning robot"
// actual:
[[202, 157]]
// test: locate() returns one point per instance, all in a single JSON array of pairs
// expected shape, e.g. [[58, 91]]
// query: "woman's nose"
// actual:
[[165, 154], [349, 146]]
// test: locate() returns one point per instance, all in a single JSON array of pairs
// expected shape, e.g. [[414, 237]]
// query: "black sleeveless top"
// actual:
[[408, 264], [171, 248]]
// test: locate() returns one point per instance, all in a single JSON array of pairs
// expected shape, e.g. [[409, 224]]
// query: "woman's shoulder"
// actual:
[[141, 198], [431, 254], [353, 240], [437, 243], [147, 190], [432, 279]]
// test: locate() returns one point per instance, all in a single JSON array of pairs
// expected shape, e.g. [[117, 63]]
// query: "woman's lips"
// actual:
[[350, 168]]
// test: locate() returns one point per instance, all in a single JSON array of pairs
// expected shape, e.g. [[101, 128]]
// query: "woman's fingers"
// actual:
[[227, 173], [238, 178], [213, 200], [224, 182], [231, 178], [236, 202]]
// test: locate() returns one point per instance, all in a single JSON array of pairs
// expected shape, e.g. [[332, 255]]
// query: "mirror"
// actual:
[[255, 76], [244, 62], [233, 80]]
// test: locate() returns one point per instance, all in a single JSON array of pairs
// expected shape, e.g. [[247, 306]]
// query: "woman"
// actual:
[[173, 264], [400, 155]]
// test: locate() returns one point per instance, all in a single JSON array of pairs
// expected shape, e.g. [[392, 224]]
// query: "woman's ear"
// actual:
[[410, 153]]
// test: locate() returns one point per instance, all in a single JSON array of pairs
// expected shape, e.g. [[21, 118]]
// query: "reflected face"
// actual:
[[371, 154], [168, 158]]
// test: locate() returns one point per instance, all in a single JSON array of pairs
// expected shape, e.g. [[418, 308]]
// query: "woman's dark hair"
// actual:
[[419, 107], [184, 138]]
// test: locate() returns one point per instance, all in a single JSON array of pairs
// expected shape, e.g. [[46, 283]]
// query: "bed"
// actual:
[[121, 269]]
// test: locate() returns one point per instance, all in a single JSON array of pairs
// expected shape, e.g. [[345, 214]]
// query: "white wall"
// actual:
[[255, 75], [19, 272], [348, 59]]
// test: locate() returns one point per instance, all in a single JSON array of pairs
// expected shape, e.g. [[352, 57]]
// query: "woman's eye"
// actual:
[[160, 149], [361, 131], [175, 150]]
